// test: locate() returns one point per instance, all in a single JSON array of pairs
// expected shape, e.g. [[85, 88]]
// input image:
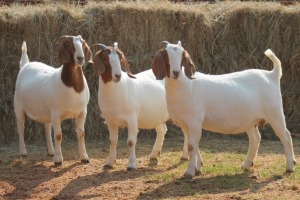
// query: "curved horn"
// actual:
[[100, 46]]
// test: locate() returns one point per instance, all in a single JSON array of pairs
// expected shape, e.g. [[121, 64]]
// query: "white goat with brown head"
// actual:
[[229, 104], [126, 100], [48, 95]]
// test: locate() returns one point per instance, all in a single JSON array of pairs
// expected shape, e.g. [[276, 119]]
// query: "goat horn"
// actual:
[[100, 46]]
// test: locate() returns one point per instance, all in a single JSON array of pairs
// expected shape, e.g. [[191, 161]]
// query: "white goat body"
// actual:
[[41, 92], [130, 96], [126, 100], [229, 104], [50, 95]]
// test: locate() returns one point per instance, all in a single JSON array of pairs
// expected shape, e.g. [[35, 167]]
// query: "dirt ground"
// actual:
[[36, 177]]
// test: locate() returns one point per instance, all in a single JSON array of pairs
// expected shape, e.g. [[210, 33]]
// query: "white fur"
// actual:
[[133, 103], [229, 104], [43, 97]]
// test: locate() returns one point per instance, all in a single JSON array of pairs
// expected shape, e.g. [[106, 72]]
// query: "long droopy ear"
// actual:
[[99, 66], [63, 54], [159, 65], [125, 65], [87, 54], [189, 67]]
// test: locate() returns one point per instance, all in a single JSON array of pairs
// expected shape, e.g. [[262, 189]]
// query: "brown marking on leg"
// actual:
[[130, 144], [58, 137], [190, 147], [81, 136]]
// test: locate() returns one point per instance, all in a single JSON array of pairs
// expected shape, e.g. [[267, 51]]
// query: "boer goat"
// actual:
[[48, 95], [229, 104], [127, 100]]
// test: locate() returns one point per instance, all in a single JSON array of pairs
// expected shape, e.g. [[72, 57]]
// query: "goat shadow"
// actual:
[[184, 188], [73, 188]]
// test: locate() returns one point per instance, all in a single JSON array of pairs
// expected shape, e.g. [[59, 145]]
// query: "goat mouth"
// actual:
[[116, 80], [79, 63]]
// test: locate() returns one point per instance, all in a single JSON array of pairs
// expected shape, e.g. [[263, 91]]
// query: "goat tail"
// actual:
[[277, 70], [24, 57]]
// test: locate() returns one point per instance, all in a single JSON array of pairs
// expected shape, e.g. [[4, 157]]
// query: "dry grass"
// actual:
[[35, 177], [222, 37]]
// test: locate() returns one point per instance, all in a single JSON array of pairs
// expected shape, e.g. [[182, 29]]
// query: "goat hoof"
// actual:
[[107, 167], [50, 155], [184, 159], [85, 161], [56, 164], [130, 169], [289, 171], [198, 173], [23, 155], [186, 176]]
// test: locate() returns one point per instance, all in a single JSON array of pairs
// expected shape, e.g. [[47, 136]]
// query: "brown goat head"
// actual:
[[66, 50], [161, 65], [102, 64]]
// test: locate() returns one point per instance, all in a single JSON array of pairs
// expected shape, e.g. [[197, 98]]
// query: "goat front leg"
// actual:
[[161, 130], [254, 141], [131, 142], [55, 120], [185, 152], [113, 137], [195, 159], [49, 139], [80, 120]]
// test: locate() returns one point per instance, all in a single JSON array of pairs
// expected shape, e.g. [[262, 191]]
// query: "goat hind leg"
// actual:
[[20, 115], [49, 139], [254, 141], [161, 130], [286, 139]]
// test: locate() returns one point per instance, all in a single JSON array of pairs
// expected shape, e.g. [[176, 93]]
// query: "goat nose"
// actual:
[[80, 59], [118, 76], [176, 73]]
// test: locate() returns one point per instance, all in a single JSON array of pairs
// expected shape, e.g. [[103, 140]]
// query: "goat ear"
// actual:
[[125, 65], [99, 66], [63, 54], [159, 65], [189, 67], [87, 54]]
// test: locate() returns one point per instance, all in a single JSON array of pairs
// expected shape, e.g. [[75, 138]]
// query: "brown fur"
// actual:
[[130, 144], [190, 148], [189, 67], [81, 136], [160, 65], [262, 123], [58, 137]]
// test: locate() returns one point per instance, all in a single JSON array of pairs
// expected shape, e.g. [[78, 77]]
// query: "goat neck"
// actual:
[[72, 76]]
